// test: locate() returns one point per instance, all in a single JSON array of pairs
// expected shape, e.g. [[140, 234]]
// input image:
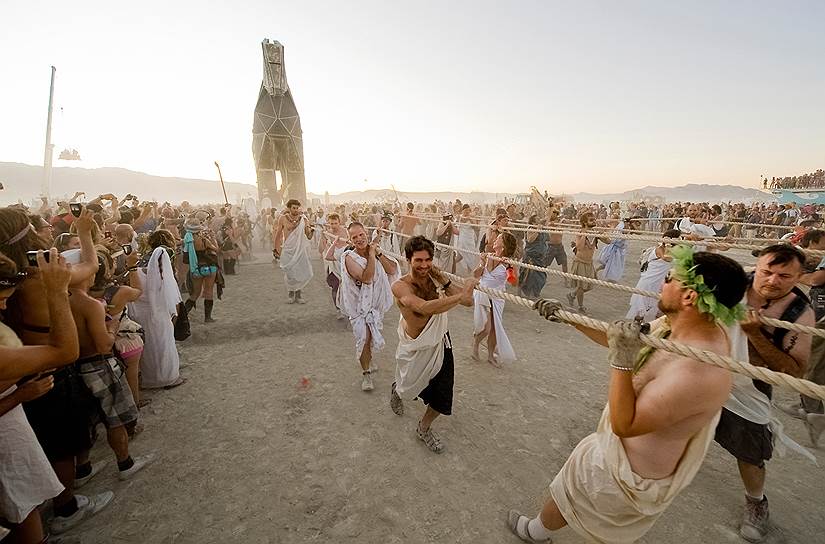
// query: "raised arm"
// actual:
[[62, 348], [795, 360], [547, 308], [364, 275], [88, 256], [687, 390]]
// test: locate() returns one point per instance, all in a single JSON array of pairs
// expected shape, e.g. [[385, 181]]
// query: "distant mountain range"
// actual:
[[692, 192], [22, 182]]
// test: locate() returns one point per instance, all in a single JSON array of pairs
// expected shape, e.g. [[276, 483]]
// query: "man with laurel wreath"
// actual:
[[661, 413]]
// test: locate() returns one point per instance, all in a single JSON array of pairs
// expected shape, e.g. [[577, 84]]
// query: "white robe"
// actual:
[[443, 257], [686, 226], [418, 360], [468, 241], [26, 477], [295, 259], [483, 304], [154, 310], [651, 279], [366, 303]]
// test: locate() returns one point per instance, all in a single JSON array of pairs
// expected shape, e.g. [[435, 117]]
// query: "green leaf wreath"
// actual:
[[685, 271]]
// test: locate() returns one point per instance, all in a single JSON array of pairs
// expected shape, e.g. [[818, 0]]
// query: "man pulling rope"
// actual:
[[661, 413], [424, 358]]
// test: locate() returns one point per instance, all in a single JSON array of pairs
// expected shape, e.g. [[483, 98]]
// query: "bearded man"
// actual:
[[661, 413], [291, 237], [424, 358]]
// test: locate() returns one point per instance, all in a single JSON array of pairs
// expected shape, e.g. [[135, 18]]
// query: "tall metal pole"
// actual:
[[47, 157]]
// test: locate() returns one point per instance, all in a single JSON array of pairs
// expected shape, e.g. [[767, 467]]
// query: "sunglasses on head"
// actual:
[[13, 281]]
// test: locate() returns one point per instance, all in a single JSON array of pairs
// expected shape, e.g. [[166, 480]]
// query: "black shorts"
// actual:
[[63, 418], [438, 394], [556, 251], [747, 441]]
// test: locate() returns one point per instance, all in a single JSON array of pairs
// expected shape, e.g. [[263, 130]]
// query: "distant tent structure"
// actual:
[[69, 155]]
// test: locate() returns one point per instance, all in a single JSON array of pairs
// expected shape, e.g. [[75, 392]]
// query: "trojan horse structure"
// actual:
[[277, 143]]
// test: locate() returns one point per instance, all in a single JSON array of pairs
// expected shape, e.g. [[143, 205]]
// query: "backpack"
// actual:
[[182, 327]]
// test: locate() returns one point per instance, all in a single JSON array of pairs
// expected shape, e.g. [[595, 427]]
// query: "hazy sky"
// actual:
[[428, 95]]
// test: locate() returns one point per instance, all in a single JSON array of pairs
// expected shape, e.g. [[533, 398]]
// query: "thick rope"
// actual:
[[617, 286], [805, 387], [726, 222], [551, 271], [617, 235], [766, 375]]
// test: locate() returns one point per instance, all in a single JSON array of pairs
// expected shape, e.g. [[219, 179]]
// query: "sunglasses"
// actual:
[[13, 281]]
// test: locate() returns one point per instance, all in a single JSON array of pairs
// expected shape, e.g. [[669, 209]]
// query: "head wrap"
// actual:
[[19, 236]]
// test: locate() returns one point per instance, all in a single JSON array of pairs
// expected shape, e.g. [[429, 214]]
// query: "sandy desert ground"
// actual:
[[272, 441]]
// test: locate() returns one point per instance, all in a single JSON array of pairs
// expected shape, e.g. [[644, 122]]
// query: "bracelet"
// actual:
[[621, 368], [447, 285]]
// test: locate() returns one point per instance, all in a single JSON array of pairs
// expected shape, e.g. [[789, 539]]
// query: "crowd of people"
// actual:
[[811, 180], [621, 478], [95, 294]]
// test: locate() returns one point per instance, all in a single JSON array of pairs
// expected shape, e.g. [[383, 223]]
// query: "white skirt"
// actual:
[[26, 478]]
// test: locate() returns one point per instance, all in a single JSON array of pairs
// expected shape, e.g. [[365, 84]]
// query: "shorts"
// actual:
[[438, 394], [556, 251], [63, 418], [105, 378], [747, 441]]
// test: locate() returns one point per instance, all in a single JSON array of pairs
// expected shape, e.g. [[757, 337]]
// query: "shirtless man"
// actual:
[[659, 421], [424, 358], [295, 261], [555, 244], [105, 376], [584, 246], [408, 221]]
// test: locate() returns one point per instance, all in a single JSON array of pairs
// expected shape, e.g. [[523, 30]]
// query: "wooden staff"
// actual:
[[222, 184]]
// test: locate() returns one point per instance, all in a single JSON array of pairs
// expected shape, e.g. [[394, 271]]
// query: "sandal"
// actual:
[[513, 517], [430, 439], [396, 404]]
